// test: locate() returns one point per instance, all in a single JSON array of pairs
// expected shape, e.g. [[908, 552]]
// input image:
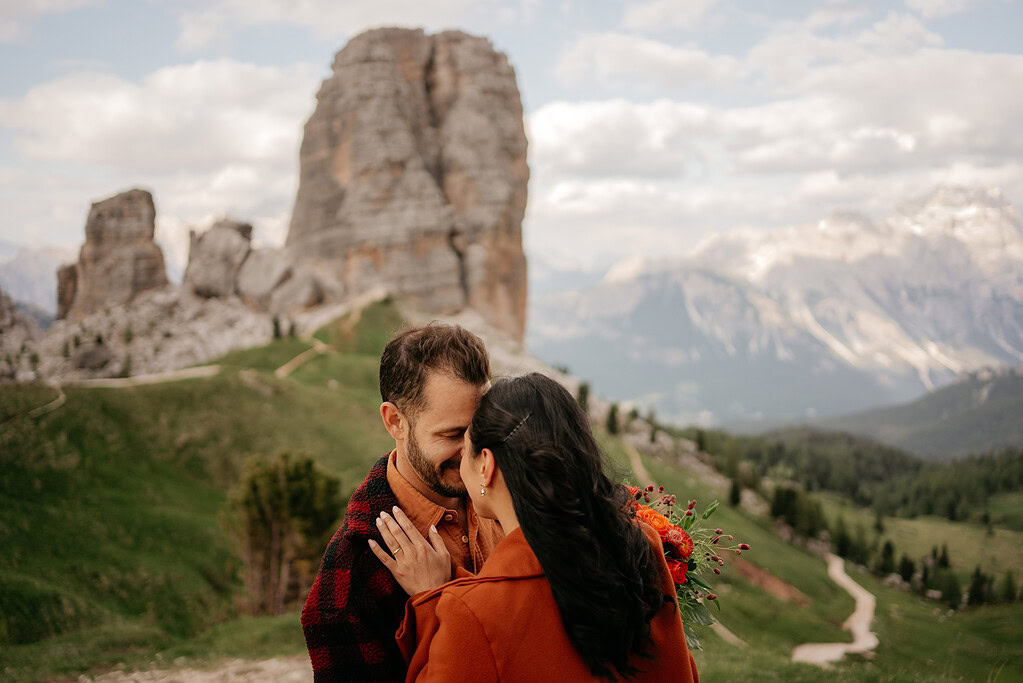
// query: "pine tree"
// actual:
[[906, 569], [612, 419], [886, 563], [943, 559], [584, 397], [278, 513], [951, 593], [843, 543], [735, 495], [977, 595], [277, 327], [1008, 592], [861, 550]]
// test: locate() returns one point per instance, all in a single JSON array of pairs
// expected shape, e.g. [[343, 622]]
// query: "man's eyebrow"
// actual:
[[454, 428]]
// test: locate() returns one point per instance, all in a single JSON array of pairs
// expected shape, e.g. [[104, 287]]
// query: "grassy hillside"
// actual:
[[110, 503], [969, 545], [981, 413], [114, 553], [920, 641]]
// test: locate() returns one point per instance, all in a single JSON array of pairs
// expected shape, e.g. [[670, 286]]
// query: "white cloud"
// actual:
[[656, 15], [208, 139], [794, 51], [884, 99], [200, 116], [615, 137], [15, 15], [203, 24], [931, 9], [616, 58]]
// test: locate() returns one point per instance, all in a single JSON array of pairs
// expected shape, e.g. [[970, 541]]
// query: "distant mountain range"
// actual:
[[981, 412], [29, 276], [817, 320]]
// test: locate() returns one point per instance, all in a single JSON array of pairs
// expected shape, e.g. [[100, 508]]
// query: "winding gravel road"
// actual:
[[858, 623]]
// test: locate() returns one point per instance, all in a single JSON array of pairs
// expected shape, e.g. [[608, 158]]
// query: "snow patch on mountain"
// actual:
[[904, 304]]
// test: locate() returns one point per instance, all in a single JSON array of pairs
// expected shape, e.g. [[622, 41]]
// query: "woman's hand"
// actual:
[[416, 565]]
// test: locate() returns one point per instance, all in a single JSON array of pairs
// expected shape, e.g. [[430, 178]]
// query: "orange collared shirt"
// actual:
[[470, 548]]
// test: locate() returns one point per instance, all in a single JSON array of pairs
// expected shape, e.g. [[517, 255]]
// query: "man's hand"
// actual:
[[416, 565]]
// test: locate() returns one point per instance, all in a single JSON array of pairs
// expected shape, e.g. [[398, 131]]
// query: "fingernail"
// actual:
[[384, 514], [433, 528], [395, 509], [379, 521], [372, 543]]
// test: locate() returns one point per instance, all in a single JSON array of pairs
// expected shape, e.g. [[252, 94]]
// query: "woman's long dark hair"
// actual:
[[601, 568]]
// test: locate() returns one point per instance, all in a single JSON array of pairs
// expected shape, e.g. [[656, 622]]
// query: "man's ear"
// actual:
[[394, 421]]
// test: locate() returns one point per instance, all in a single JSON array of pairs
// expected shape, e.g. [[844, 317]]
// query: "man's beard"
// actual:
[[430, 473]]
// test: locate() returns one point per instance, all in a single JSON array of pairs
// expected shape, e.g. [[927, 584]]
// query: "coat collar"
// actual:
[[512, 559]]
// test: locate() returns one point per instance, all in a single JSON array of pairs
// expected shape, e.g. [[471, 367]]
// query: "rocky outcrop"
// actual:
[[263, 271], [161, 329], [413, 177], [18, 333], [216, 256], [118, 260]]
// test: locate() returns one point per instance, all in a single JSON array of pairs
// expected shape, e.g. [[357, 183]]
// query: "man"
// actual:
[[431, 380]]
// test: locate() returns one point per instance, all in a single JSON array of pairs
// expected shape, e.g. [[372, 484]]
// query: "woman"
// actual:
[[578, 589]]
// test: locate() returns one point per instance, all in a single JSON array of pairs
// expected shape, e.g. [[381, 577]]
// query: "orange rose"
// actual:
[[655, 519]]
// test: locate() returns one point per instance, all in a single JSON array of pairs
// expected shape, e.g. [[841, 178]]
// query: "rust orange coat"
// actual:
[[503, 625]]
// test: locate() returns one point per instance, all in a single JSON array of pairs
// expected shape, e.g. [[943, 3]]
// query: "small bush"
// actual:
[[277, 513]]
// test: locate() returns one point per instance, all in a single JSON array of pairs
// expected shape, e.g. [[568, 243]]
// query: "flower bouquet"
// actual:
[[692, 549]]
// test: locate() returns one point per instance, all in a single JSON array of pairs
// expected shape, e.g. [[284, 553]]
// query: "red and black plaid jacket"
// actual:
[[355, 605]]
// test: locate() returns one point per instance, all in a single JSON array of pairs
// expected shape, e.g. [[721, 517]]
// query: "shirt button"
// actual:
[[465, 539], [448, 517]]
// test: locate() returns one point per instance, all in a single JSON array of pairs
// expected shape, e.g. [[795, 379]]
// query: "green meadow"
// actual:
[[995, 549], [115, 553]]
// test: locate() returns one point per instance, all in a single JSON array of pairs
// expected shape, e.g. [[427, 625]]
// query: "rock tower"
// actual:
[[118, 260], [413, 176]]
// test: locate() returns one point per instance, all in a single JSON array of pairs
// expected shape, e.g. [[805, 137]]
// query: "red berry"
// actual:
[[712, 596], [692, 504], [689, 513], [738, 552], [716, 570], [718, 532], [744, 546]]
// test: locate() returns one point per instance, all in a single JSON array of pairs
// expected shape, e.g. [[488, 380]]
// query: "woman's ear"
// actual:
[[394, 421], [487, 466]]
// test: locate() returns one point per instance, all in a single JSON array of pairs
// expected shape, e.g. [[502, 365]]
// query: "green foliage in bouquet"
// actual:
[[693, 550]]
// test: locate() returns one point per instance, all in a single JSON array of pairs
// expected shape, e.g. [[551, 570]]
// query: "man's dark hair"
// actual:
[[411, 353]]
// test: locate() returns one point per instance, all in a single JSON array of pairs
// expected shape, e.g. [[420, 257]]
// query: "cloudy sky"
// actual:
[[652, 123]]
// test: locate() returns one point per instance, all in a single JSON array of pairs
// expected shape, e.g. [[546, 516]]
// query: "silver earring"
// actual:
[[483, 490]]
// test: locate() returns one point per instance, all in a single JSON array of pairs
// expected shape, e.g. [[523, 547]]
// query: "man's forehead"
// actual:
[[450, 400]]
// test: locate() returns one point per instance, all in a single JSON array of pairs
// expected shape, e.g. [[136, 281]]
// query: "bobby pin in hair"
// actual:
[[516, 427]]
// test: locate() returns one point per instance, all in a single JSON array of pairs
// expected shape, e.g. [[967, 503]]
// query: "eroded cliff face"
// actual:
[[414, 176], [119, 259]]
